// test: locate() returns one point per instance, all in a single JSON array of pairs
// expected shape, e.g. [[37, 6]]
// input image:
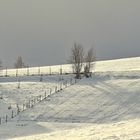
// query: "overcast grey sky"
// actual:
[[43, 31]]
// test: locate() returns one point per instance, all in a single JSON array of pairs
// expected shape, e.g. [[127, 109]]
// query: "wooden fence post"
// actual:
[[6, 72], [50, 91], [28, 71], [34, 101], [60, 86], [29, 104], [56, 89], [38, 70], [6, 119], [18, 110], [50, 71], [18, 83], [23, 107], [71, 81], [45, 95], [16, 72], [40, 98], [75, 80], [61, 72], [41, 78], [12, 116], [32, 104]]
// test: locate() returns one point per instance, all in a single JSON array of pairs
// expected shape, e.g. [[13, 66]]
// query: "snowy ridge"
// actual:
[[120, 65]]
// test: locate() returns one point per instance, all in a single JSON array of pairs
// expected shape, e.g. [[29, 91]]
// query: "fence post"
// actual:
[[37, 99], [16, 72], [75, 80], [23, 107], [32, 104], [61, 70], [50, 91], [12, 116], [38, 70], [6, 118], [71, 81], [28, 104], [41, 78], [18, 110], [56, 89], [18, 83], [50, 70], [40, 98], [60, 86], [34, 100], [45, 95], [6, 72], [27, 70]]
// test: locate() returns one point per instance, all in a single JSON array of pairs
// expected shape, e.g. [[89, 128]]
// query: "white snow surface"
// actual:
[[118, 65], [104, 107]]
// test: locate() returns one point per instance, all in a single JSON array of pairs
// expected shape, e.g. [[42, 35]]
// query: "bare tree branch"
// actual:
[[90, 61]]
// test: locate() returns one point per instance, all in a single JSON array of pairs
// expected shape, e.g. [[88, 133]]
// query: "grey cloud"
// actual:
[[43, 31]]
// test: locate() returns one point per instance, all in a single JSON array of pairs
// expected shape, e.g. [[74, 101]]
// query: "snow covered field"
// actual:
[[30, 88], [118, 65], [104, 107]]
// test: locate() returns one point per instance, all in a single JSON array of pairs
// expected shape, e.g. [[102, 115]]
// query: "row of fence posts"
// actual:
[[36, 99], [38, 72]]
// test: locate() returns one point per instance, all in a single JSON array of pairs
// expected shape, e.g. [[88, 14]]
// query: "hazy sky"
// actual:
[[43, 31]]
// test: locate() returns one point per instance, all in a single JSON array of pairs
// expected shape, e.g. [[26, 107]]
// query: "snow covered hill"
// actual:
[[125, 64], [118, 65], [104, 107]]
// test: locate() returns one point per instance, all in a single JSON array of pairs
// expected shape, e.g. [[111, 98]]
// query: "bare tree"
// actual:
[[19, 63], [90, 61], [77, 59]]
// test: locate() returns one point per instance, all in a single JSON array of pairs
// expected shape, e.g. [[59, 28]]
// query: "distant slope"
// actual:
[[126, 64]]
